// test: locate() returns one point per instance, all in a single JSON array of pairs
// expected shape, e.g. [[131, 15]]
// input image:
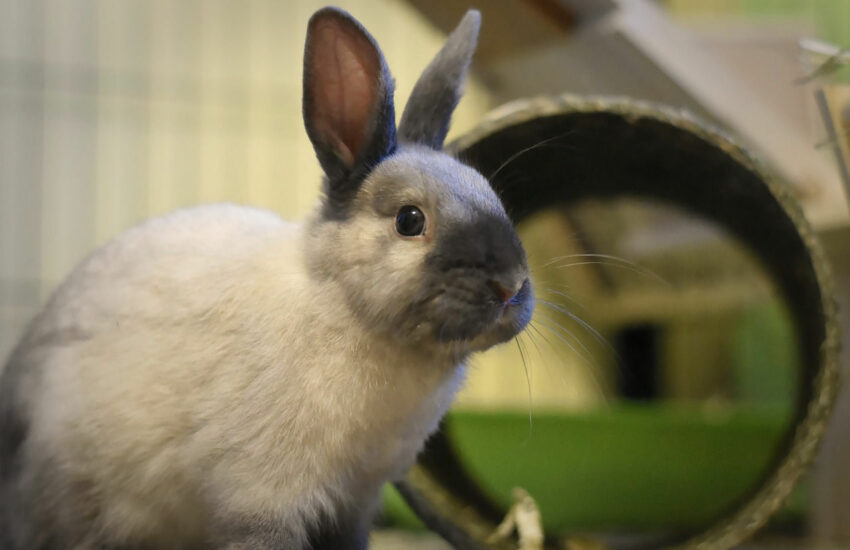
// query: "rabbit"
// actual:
[[222, 378]]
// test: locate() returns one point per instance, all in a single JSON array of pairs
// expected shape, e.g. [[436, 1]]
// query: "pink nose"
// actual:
[[503, 293]]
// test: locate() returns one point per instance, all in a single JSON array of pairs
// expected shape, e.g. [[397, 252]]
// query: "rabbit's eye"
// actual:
[[410, 221]]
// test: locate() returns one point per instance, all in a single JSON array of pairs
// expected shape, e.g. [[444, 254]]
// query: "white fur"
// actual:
[[204, 370]]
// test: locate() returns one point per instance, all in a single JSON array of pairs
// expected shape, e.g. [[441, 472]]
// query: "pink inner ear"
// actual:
[[345, 69]]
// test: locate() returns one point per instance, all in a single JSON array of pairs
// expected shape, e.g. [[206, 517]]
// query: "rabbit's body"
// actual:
[[210, 394], [221, 378]]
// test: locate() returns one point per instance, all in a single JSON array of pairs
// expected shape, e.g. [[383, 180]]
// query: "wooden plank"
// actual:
[[834, 102], [831, 484], [509, 26], [738, 107]]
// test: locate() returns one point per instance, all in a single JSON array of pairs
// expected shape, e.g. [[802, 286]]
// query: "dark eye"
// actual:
[[410, 221]]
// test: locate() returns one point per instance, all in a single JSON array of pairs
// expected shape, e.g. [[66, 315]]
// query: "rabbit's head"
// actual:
[[419, 242]]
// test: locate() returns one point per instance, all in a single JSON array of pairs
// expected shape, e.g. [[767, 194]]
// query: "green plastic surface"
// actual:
[[626, 467]]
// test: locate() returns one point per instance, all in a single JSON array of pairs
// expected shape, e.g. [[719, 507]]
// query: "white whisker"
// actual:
[[528, 383], [584, 324], [610, 261], [524, 151], [555, 327]]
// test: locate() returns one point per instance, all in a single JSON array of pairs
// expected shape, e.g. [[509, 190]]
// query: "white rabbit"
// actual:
[[221, 378]]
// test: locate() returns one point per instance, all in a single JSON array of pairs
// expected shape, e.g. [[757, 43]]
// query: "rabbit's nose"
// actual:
[[506, 294]]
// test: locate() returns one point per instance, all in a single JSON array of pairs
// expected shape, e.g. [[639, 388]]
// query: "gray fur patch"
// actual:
[[429, 110], [347, 531], [469, 259], [258, 535]]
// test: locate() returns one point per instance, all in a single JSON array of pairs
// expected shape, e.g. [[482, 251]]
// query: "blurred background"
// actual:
[[659, 375]]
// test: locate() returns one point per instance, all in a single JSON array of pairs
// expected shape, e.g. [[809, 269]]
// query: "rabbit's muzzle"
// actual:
[[479, 281]]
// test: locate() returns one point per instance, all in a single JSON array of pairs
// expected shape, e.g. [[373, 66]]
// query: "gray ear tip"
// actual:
[[331, 11], [471, 24], [472, 17], [324, 13]]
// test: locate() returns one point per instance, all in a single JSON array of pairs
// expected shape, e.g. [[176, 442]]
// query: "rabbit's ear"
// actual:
[[348, 101], [429, 110]]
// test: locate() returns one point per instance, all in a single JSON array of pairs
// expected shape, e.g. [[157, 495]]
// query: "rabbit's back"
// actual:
[[117, 379]]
